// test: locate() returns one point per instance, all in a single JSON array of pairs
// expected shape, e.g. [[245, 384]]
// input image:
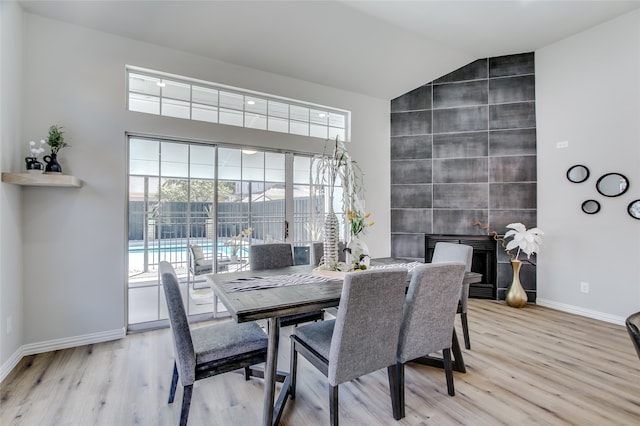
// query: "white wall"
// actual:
[[12, 148], [74, 239], [588, 93]]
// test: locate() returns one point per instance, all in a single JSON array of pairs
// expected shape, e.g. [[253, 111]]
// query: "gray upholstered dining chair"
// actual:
[[427, 324], [633, 327], [206, 351], [279, 255], [450, 252], [317, 251], [361, 339]]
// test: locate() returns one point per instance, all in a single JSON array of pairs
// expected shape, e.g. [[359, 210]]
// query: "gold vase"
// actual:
[[516, 296]]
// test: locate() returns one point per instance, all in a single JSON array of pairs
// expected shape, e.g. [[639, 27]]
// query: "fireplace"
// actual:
[[484, 261]]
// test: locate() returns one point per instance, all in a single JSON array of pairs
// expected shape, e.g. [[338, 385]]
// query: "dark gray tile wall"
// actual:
[[463, 149]]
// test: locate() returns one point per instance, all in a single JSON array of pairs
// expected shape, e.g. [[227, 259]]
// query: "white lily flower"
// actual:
[[528, 241]]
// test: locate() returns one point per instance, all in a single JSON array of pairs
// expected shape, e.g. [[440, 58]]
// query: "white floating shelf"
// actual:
[[42, 179]]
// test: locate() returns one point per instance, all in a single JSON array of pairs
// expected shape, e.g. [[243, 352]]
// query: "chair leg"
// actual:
[[293, 370], [465, 330], [174, 383], [333, 405], [247, 373], [396, 387], [186, 404], [448, 371]]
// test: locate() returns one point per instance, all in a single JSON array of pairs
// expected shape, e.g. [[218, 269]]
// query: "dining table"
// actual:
[[274, 293]]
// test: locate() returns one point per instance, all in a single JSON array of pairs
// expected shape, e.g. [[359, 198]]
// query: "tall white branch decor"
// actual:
[[337, 167]]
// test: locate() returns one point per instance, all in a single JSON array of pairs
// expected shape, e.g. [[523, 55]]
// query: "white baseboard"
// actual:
[[57, 344], [9, 364], [614, 319]]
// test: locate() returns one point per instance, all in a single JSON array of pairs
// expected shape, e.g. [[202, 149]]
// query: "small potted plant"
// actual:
[[56, 142]]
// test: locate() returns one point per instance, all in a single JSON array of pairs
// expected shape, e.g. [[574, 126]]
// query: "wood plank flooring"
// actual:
[[531, 366]]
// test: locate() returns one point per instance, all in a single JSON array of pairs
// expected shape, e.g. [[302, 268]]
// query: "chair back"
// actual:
[[183, 345], [317, 251], [197, 253], [451, 252], [430, 309], [633, 327], [367, 325], [270, 256]]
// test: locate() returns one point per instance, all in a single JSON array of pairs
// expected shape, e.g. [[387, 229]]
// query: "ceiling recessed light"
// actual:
[[249, 151], [322, 115], [251, 102], [161, 84]]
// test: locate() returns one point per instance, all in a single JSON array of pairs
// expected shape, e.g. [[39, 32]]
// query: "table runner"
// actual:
[[259, 283], [410, 266], [271, 281]]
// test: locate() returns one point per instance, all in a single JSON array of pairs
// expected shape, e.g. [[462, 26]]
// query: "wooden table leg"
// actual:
[[271, 371]]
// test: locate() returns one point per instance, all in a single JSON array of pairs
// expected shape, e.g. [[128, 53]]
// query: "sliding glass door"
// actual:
[[200, 207]]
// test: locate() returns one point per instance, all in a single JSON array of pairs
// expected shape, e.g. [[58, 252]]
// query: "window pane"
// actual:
[[144, 84], [278, 125], [337, 120], [299, 113], [278, 109], [231, 117], [301, 169], [339, 133], [144, 103], [319, 117], [231, 100], [257, 105], [206, 96], [298, 128], [274, 167], [204, 113], [175, 159], [253, 166], [173, 108], [318, 131], [144, 157], [255, 121], [175, 90], [229, 161], [202, 162]]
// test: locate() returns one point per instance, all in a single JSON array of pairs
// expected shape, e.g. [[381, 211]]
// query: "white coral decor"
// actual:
[[528, 241]]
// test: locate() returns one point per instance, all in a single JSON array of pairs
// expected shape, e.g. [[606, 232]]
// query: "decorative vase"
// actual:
[[358, 254], [52, 164], [331, 227], [33, 165], [516, 296]]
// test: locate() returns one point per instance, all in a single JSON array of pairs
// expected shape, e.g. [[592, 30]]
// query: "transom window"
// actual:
[[157, 93]]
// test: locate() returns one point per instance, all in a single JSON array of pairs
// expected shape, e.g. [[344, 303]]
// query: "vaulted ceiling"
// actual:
[[377, 48]]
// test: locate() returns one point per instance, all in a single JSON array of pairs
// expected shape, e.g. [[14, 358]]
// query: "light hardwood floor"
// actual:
[[532, 366]]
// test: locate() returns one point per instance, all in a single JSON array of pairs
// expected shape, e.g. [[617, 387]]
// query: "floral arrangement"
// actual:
[[235, 242], [36, 151], [357, 222], [527, 241]]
